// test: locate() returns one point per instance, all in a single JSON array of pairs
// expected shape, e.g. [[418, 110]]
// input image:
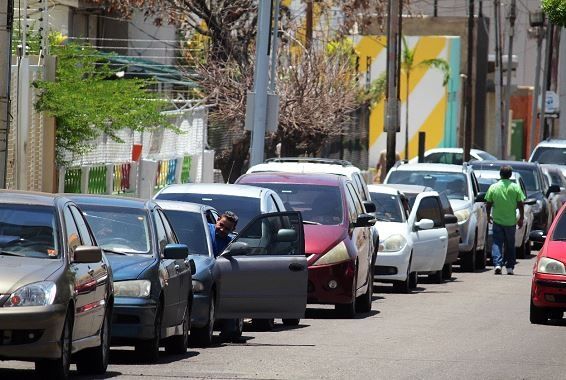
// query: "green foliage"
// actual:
[[376, 91], [87, 100], [555, 11], [33, 39]]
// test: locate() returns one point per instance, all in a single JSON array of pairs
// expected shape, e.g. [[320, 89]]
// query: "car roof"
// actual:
[[28, 197], [321, 179], [383, 189], [453, 150], [215, 189], [517, 164], [108, 200], [553, 143], [182, 206], [304, 167], [411, 189], [449, 168]]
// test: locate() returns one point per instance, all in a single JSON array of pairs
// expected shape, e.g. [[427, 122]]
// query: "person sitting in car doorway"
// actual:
[[221, 232]]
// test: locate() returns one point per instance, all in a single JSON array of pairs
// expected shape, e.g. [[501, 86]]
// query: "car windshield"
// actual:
[[485, 183], [550, 155], [387, 206], [319, 204], [245, 207], [529, 175], [190, 230], [454, 184], [29, 231], [119, 229]]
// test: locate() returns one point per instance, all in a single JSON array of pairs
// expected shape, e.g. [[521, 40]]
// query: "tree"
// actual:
[[87, 100], [555, 10]]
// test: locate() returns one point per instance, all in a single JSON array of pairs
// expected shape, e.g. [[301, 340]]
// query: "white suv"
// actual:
[[551, 152], [461, 186]]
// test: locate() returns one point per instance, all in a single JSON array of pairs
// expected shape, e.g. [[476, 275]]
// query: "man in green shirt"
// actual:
[[504, 197]]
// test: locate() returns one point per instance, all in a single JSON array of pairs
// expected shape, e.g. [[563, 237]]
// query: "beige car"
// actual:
[[56, 290]]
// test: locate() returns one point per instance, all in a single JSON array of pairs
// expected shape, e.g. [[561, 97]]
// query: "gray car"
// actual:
[[56, 293]]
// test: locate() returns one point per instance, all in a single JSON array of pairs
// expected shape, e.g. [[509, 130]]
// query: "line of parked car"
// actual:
[[79, 273]]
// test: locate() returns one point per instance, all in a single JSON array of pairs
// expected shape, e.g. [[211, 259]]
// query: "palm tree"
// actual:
[[407, 66]]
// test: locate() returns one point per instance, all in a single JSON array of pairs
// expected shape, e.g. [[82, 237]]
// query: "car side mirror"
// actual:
[[85, 254], [424, 224], [450, 219], [175, 251], [193, 267], [537, 236], [365, 220], [530, 201], [287, 235], [480, 197], [552, 189], [237, 248], [370, 207]]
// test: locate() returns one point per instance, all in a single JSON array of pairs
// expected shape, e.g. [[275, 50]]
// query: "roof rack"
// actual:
[[314, 160]]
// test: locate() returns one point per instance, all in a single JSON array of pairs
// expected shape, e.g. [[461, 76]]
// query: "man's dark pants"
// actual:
[[503, 236]]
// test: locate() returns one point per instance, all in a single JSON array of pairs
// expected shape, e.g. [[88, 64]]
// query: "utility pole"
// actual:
[[6, 26], [393, 65], [308, 26], [536, 20], [512, 16], [260, 83], [498, 79], [469, 78], [545, 81]]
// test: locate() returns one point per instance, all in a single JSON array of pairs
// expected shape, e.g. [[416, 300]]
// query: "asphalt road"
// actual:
[[473, 327]]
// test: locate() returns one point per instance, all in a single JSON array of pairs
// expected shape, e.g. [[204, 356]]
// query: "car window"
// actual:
[[549, 155], [73, 235], [560, 228], [160, 233], [29, 230], [352, 213], [119, 229], [171, 237], [82, 227], [388, 207], [445, 204], [429, 208], [454, 184], [357, 181], [357, 202], [190, 230], [270, 204]]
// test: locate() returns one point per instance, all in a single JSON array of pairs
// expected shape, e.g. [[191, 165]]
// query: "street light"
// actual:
[[536, 18]]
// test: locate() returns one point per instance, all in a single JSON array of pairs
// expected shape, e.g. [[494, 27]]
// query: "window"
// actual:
[[388, 207], [73, 236], [271, 206], [171, 237], [550, 155], [81, 225], [190, 230], [445, 204], [429, 208], [455, 184], [351, 207], [160, 232], [357, 202]]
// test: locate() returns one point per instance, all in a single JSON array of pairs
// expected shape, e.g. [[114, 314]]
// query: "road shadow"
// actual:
[[123, 356], [25, 374], [556, 322], [321, 313]]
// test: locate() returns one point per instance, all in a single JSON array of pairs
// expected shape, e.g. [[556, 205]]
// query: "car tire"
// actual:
[[364, 302], [468, 262], [413, 280], [232, 329], [178, 344], [148, 349], [528, 249], [538, 315], [95, 360], [202, 336], [447, 271], [436, 277], [59, 368], [291, 322], [263, 324]]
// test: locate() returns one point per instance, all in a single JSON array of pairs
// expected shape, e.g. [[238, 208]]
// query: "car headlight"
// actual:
[[133, 288], [551, 266], [393, 243], [537, 207], [337, 254], [197, 286], [36, 294], [462, 215]]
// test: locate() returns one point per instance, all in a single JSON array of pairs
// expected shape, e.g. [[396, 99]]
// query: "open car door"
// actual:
[[263, 272]]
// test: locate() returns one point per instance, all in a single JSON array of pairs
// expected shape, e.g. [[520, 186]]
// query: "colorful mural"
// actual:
[[433, 108]]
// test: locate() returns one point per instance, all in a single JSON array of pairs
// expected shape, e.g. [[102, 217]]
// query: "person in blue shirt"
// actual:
[[221, 232]]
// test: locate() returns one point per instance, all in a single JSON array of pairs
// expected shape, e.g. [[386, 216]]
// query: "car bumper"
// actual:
[[466, 237], [45, 323], [200, 310], [549, 291], [319, 290], [392, 265], [133, 319]]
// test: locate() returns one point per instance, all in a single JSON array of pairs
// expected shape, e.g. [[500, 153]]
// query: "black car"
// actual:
[[152, 274], [536, 184]]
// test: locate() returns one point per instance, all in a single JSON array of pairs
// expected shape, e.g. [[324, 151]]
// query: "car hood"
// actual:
[[459, 204], [387, 229], [203, 265], [320, 238], [16, 272], [129, 267]]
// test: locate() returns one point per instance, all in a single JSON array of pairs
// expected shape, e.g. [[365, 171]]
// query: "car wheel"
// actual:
[[148, 350], [291, 322], [177, 345], [59, 368], [538, 315], [447, 271], [468, 262], [202, 336], [263, 324], [413, 280], [232, 329], [95, 360], [520, 251], [528, 249], [436, 277], [348, 310], [364, 301]]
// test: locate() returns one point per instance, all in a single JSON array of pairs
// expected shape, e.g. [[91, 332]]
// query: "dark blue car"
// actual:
[[152, 274]]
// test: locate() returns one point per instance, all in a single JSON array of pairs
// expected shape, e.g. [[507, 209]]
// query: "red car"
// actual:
[[548, 289], [338, 240]]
